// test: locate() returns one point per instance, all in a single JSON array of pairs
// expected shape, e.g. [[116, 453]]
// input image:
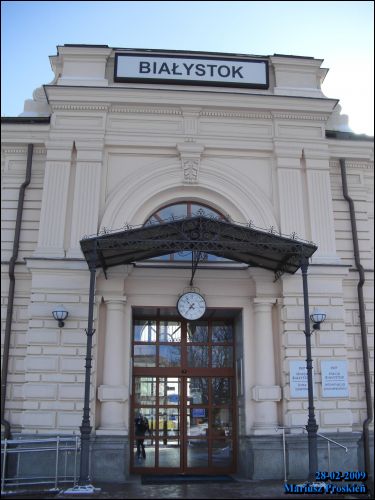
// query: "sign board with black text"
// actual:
[[334, 378], [191, 70]]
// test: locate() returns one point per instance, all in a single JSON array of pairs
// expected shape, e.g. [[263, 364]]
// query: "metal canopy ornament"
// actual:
[[236, 242], [245, 244]]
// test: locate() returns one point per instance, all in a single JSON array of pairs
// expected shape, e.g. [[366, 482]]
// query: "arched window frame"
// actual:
[[180, 210]]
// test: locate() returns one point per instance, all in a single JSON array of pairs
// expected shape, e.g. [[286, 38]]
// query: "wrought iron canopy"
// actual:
[[239, 243]]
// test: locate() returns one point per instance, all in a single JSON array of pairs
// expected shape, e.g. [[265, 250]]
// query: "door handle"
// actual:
[[184, 371]]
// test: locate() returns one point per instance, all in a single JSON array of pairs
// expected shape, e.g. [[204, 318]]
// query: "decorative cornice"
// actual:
[[236, 114], [144, 110], [264, 115], [80, 107], [9, 150], [363, 165], [300, 116]]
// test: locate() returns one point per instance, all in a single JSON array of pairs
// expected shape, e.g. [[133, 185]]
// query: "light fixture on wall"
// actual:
[[317, 317], [60, 314]]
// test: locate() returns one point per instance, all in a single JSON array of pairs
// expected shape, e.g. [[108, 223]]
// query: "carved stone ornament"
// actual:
[[190, 154], [190, 168]]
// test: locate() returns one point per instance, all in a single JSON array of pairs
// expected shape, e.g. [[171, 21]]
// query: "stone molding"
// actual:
[[266, 393], [9, 150], [204, 113], [80, 107], [236, 114], [264, 301], [117, 393], [298, 116], [145, 110], [115, 299], [368, 165]]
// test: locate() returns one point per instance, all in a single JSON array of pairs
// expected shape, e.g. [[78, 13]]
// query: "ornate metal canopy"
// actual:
[[244, 244], [198, 234]]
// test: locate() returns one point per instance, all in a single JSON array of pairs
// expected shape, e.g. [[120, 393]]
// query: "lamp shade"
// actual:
[[318, 316], [60, 314]]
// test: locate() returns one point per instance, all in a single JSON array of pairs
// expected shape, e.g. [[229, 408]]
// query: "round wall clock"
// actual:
[[191, 305]]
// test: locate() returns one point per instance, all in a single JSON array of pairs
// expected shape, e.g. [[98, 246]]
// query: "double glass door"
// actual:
[[183, 383]]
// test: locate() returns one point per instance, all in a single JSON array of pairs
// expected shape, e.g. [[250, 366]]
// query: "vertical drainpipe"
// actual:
[[12, 283], [362, 317]]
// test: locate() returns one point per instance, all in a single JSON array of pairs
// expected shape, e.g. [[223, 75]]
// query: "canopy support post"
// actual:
[[86, 428], [311, 427]]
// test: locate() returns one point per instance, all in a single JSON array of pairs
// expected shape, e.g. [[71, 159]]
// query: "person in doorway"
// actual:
[[141, 427]]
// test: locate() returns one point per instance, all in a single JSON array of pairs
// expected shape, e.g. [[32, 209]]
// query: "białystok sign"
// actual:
[[189, 70]]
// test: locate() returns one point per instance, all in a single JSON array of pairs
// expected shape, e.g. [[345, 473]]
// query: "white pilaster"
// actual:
[[291, 203], [86, 198], [54, 202], [113, 392], [265, 393], [290, 184], [320, 206]]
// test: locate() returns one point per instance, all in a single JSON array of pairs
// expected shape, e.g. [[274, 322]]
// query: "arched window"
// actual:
[[179, 211]]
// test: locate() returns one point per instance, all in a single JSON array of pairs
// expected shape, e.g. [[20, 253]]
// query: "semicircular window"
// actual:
[[182, 210]]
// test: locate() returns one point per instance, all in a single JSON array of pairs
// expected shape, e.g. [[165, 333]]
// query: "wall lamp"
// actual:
[[317, 317], [60, 314]]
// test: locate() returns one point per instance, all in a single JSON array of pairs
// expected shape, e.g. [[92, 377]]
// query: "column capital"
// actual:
[[90, 155], [264, 282], [264, 300], [59, 151], [115, 299]]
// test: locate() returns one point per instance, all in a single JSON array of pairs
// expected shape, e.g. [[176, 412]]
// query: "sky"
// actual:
[[341, 33]]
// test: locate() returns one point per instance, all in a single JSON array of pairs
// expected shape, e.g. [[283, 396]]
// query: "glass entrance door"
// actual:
[[183, 383]]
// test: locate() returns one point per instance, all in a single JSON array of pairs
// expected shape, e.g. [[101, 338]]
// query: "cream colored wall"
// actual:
[[14, 158], [13, 162], [112, 157]]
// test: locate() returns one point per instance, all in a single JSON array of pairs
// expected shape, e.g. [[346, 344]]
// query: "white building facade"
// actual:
[[248, 140]]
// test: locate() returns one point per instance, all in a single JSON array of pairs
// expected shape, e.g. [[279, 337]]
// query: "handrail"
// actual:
[[31, 441], [329, 440], [318, 434], [333, 441], [62, 445]]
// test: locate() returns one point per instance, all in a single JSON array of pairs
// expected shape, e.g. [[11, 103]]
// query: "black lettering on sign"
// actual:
[[188, 68], [200, 70], [212, 66], [223, 71], [236, 71], [144, 67], [164, 68], [175, 67]]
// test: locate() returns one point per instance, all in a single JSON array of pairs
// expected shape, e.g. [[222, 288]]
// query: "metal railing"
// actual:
[[329, 441], [63, 450]]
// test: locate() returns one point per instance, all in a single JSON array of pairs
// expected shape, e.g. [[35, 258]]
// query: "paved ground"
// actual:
[[238, 489]]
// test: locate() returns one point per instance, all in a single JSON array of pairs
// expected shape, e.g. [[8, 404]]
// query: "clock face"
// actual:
[[191, 305]]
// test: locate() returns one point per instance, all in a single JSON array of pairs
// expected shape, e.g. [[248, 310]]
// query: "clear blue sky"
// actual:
[[341, 33]]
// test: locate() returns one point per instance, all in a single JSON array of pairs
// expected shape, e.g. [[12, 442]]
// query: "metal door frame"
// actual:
[[183, 372]]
